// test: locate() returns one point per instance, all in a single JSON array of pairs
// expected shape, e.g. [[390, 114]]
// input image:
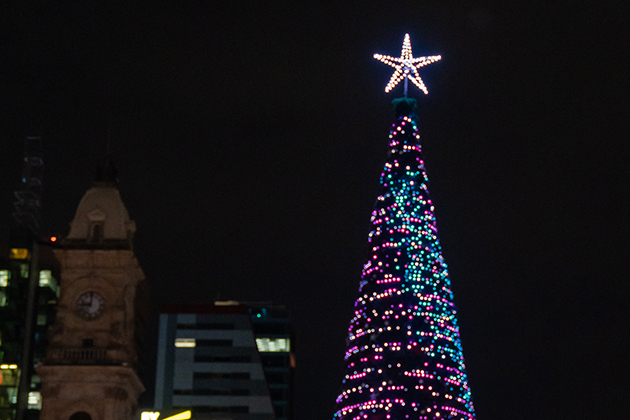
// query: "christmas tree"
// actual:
[[404, 357]]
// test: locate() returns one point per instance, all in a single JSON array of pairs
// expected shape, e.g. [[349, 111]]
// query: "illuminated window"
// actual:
[[35, 400], [11, 367], [149, 415], [18, 253], [3, 298], [5, 275], [185, 342], [9, 382], [273, 345], [24, 271], [45, 278]]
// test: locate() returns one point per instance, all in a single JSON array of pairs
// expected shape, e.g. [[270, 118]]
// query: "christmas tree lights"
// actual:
[[404, 355]]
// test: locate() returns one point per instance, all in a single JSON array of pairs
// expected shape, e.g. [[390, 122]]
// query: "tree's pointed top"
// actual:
[[405, 106]]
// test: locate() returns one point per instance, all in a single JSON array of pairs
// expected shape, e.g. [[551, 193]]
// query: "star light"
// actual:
[[406, 66]]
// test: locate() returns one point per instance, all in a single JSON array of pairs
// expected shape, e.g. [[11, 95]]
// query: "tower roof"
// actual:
[[101, 219]]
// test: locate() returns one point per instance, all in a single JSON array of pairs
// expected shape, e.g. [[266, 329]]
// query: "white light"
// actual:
[[185, 342], [35, 400], [4, 278], [45, 278], [275, 345], [149, 415], [406, 67]]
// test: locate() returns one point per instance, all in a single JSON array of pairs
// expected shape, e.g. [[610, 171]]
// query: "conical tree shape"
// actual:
[[404, 356]]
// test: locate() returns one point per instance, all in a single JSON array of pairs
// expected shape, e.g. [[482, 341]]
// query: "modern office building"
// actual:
[[228, 361], [15, 267]]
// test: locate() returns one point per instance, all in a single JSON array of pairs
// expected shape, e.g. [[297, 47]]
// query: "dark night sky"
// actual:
[[249, 138]]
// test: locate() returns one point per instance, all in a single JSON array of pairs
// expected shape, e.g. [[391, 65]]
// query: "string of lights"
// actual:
[[406, 66], [404, 357]]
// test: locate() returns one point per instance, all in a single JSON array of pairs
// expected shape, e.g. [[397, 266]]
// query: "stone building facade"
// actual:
[[90, 371]]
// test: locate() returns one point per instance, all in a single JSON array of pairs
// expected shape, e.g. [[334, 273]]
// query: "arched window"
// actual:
[[96, 233], [80, 415]]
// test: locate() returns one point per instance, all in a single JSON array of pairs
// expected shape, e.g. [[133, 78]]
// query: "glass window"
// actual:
[[221, 375], [273, 345], [96, 233], [45, 278], [35, 400], [24, 271], [185, 342], [5, 275], [219, 343], [18, 253]]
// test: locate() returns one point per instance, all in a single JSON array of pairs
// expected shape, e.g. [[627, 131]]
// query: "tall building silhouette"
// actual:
[[28, 293], [404, 355]]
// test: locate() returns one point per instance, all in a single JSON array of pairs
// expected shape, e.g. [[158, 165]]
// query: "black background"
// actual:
[[249, 138]]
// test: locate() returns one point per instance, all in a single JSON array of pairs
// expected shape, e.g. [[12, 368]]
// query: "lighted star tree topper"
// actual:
[[407, 67], [404, 357]]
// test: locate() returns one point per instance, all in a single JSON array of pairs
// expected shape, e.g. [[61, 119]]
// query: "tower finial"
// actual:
[[106, 172], [108, 149], [406, 66]]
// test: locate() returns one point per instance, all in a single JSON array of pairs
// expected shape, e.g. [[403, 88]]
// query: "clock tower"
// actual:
[[90, 372]]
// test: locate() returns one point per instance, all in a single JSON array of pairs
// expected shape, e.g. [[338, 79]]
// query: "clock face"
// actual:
[[90, 305]]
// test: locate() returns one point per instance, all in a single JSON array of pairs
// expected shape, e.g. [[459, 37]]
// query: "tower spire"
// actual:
[[106, 172]]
